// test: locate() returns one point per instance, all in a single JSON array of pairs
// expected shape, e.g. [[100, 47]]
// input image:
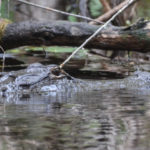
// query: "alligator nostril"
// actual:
[[4, 89], [46, 36]]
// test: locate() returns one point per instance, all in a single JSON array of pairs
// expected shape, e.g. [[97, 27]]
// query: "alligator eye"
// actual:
[[56, 71]]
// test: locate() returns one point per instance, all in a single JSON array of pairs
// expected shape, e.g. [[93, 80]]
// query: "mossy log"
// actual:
[[31, 33]]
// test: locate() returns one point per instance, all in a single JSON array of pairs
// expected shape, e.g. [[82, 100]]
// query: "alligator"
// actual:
[[37, 78]]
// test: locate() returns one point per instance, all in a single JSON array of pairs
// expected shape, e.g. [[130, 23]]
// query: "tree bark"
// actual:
[[132, 38]]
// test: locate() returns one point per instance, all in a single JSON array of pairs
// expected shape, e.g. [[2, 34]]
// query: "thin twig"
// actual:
[[45, 52], [96, 32], [59, 11], [3, 61]]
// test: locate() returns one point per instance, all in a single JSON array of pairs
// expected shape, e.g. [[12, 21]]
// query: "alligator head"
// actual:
[[36, 77]]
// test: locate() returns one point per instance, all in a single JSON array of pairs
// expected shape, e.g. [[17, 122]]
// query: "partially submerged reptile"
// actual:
[[36, 77], [39, 78]]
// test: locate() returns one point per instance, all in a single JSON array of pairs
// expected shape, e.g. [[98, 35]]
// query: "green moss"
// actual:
[[141, 35], [3, 25], [55, 49]]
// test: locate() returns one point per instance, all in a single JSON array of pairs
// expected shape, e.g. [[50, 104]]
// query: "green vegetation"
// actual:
[[143, 9], [95, 8], [53, 49], [5, 9]]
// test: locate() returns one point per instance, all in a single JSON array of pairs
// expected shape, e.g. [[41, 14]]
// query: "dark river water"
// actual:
[[91, 120]]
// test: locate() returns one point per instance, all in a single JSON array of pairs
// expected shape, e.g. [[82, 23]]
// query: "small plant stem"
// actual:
[[3, 61]]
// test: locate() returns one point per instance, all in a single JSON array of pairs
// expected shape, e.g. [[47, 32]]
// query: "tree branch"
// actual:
[[110, 13], [105, 5]]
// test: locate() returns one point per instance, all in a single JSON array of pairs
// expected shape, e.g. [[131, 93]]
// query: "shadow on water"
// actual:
[[94, 120]]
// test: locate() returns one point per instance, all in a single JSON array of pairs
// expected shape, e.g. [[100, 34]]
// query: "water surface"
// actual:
[[110, 119]]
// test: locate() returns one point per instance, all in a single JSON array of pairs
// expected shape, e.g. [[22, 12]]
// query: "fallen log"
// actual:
[[62, 33]]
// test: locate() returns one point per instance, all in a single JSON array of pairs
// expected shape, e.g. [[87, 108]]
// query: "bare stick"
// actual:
[[97, 31], [59, 11]]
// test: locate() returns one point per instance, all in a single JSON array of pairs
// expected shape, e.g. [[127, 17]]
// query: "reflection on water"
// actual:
[[94, 120]]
